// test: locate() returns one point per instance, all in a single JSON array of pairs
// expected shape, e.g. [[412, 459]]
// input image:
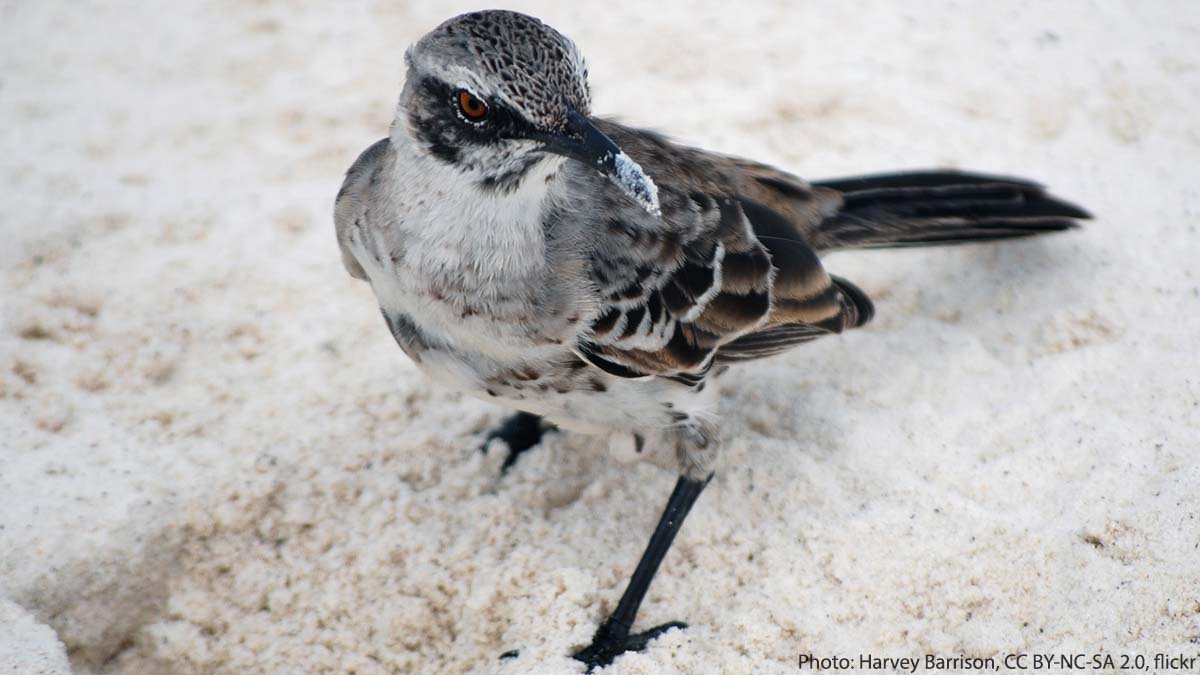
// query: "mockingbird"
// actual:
[[599, 276]]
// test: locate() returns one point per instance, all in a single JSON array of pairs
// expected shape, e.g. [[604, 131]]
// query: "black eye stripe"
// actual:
[[442, 121]]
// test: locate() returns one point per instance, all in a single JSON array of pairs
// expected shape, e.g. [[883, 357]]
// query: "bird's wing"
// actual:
[[350, 206], [716, 278]]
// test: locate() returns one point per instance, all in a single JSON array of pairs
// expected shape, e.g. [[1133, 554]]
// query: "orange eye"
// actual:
[[472, 107]]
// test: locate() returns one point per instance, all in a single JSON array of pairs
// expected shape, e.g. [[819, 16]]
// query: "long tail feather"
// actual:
[[929, 208]]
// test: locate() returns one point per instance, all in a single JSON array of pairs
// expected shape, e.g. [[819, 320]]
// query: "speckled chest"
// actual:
[[484, 301], [466, 273], [526, 365], [551, 381]]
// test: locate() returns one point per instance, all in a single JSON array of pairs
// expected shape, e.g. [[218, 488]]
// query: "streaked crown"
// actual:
[[496, 53]]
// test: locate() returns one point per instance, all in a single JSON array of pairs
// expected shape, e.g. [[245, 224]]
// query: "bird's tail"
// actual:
[[929, 208]]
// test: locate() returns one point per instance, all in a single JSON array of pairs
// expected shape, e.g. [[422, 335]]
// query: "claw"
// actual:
[[519, 432], [610, 642]]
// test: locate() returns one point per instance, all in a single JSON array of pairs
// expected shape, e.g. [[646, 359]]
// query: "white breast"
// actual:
[[465, 264]]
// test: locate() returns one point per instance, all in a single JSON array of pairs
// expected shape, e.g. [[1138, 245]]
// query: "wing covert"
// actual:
[[726, 275], [671, 297]]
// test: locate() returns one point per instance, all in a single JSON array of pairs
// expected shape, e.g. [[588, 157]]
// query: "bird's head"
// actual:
[[493, 93]]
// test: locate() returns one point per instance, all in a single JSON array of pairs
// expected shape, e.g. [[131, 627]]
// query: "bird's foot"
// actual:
[[520, 432], [612, 641]]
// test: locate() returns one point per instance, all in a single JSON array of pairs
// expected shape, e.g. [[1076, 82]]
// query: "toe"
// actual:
[[606, 646]]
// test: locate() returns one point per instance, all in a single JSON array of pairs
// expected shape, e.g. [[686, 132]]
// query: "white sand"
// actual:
[[28, 647], [216, 460]]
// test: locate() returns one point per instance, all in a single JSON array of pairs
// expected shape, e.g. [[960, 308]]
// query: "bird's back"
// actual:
[[794, 220]]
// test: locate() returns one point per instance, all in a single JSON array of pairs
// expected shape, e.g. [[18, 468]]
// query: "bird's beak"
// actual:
[[582, 141]]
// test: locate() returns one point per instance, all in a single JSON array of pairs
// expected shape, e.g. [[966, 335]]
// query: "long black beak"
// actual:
[[582, 141]]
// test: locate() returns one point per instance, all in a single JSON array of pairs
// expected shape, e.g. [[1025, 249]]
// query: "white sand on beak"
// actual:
[[645, 192], [215, 460]]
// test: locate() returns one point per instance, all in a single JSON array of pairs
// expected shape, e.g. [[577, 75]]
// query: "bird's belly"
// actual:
[[485, 341], [579, 398], [550, 381], [595, 403], [513, 357]]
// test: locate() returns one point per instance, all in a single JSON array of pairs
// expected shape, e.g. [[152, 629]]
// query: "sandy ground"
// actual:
[[215, 460]]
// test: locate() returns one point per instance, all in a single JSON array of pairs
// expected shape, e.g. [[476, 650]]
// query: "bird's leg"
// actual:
[[520, 432], [613, 638]]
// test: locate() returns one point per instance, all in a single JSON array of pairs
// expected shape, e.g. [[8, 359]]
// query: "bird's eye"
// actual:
[[474, 108]]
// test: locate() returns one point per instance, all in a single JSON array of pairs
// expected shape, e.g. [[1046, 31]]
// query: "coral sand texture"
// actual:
[[215, 460]]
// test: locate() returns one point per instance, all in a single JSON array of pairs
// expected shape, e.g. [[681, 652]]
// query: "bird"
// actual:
[[598, 278]]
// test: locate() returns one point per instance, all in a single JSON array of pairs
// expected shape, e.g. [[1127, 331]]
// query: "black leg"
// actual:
[[520, 432], [613, 637]]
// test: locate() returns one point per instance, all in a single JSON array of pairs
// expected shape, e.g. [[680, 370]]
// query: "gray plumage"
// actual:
[[604, 291]]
